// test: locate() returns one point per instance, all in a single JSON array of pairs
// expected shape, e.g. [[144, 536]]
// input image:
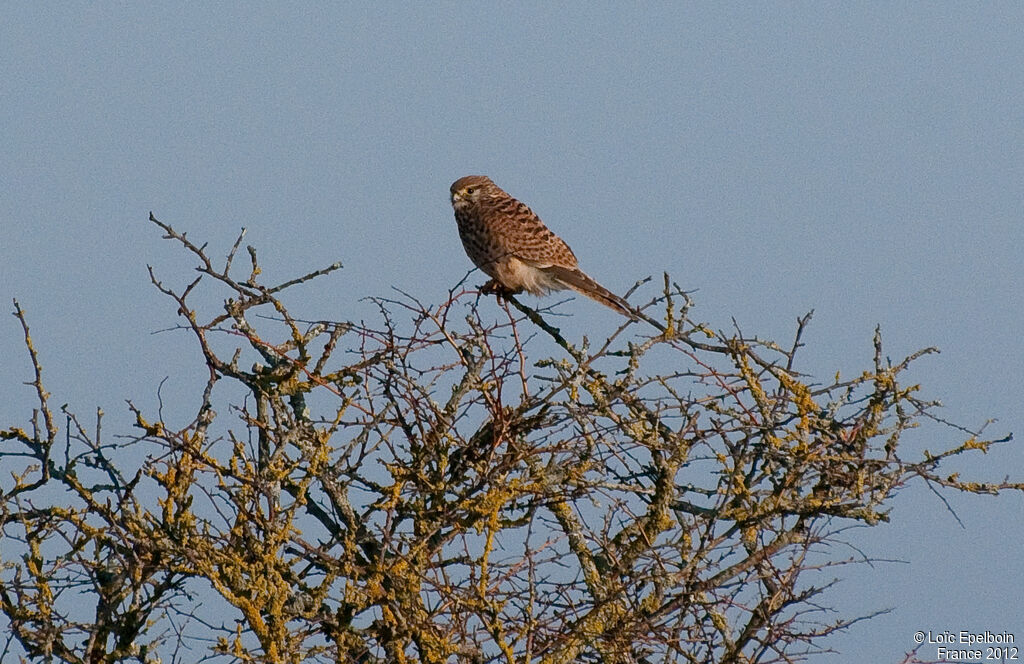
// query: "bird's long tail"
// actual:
[[584, 285]]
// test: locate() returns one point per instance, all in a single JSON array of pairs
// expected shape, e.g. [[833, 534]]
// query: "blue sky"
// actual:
[[865, 160]]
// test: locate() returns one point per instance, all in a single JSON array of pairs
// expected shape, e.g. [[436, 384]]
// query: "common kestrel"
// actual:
[[510, 243]]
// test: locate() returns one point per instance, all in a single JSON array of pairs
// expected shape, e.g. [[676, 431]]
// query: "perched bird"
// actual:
[[510, 243]]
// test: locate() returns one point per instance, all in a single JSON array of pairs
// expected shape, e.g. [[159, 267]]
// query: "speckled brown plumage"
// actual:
[[509, 243]]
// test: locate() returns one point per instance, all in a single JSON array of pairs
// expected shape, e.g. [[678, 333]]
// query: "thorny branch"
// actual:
[[445, 485]]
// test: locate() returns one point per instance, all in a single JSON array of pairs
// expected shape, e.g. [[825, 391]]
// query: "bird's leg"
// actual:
[[498, 289], [493, 286]]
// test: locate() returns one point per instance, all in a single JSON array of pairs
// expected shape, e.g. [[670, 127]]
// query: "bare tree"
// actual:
[[438, 486]]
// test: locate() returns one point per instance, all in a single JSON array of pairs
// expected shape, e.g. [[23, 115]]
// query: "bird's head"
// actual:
[[467, 191]]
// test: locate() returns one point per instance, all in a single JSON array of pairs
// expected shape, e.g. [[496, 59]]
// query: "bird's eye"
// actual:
[[469, 190]]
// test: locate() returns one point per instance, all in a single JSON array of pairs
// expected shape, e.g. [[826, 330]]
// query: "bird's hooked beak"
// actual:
[[459, 199]]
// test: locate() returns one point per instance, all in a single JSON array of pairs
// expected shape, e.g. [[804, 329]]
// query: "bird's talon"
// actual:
[[499, 290], [492, 287]]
